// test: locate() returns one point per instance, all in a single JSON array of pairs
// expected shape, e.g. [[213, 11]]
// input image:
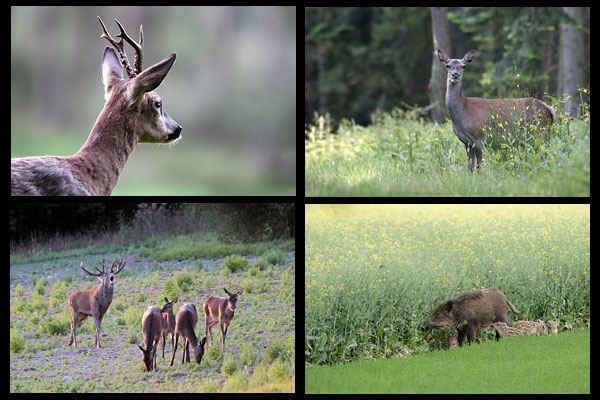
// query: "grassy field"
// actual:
[[531, 364], [259, 352], [400, 154], [374, 273]]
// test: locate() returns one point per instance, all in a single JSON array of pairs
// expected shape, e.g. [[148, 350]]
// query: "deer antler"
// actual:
[[119, 46], [88, 272], [119, 266]]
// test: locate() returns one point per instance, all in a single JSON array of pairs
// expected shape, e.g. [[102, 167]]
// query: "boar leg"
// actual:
[[470, 333], [461, 336]]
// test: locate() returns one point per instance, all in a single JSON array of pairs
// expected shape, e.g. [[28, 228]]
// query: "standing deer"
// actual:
[[132, 114], [185, 322], [152, 326], [471, 114], [93, 302], [169, 323], [220, 310]]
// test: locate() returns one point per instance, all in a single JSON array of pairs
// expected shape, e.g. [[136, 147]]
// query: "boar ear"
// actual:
[[448, 305]]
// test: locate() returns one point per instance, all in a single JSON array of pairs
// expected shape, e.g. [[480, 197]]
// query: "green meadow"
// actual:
[[531, 364]]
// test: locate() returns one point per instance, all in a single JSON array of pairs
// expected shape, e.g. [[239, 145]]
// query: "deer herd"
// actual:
[[157, 322]]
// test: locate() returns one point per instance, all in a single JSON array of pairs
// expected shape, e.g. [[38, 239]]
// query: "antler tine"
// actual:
[[120, 266], [137, 47], [112, 265], [103, 266], [119, 46], [88, 272]]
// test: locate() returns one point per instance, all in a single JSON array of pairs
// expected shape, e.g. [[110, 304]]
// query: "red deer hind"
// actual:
[[220, 310], [185, 322], [152, 326], [133, 113], [169, 323], [94, 302], [470, 115]]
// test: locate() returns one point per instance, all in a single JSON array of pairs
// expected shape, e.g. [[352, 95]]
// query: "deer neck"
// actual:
[[104, 154], [454, 98]]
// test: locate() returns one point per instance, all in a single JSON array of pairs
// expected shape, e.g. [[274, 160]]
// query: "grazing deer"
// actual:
[[152, 326], [93, 302], [471, 114], [185, 322], [219, 310], [133, 113], [169, 323]]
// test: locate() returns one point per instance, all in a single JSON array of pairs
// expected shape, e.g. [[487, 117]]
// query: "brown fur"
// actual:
[[93, 302], [132, 114], [505, 331], [152, 326], [220, 310], [185, 322], [169, 323], [470, 311], [470, 115]]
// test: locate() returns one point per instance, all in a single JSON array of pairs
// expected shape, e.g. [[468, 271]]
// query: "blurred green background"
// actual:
[[232, 88]]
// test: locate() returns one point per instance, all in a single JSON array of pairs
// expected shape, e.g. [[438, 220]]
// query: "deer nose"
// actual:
[[175, 134]]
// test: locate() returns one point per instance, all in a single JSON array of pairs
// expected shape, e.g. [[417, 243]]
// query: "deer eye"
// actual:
[[158, 104]]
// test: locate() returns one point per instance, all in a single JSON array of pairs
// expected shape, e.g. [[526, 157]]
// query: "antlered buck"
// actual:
[[133, 113], [152, 327], [94, 302], [220, 310], [470, 115]]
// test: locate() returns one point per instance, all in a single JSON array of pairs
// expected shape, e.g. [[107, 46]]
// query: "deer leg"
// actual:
[[478, 152], [470, 155], [156, 348], [185, 357], [208, 323], [223, 334], [73, 325], [174, 349], [163, 342], [97, 323], [209, 328]]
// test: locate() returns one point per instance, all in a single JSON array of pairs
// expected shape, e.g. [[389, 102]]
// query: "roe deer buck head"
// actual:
[[135, 99], [133, 113]]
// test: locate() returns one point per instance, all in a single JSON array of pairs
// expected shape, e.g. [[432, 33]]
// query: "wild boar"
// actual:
[[470, 311], [452, 342], [531, 327], [505, 331], [551, 326]]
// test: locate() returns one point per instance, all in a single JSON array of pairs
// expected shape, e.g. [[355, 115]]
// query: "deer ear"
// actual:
[[150, 78], [111, 71], [468, 57], [141, 348]]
